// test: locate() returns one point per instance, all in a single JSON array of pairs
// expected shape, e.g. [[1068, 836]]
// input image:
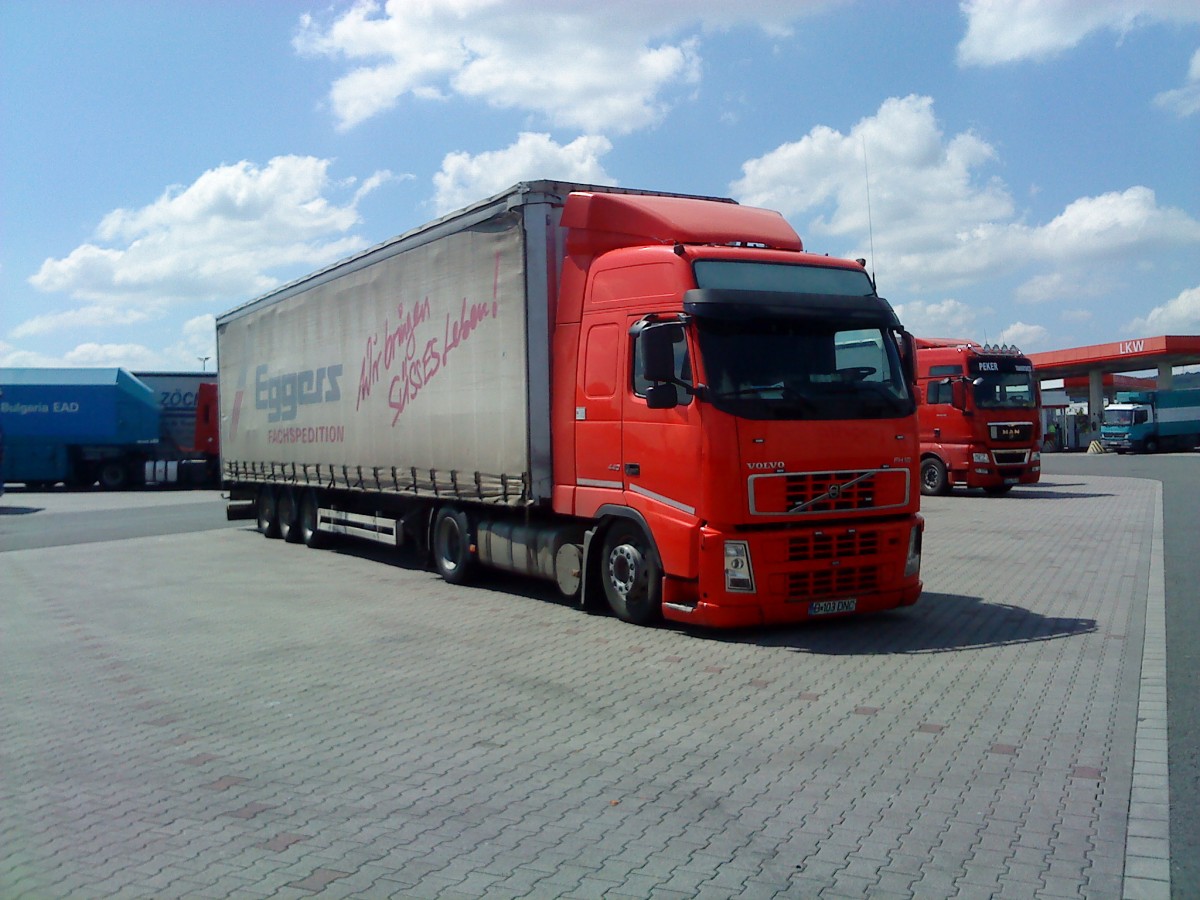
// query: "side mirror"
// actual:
[[662, 396], [658, 352], [958, 394]]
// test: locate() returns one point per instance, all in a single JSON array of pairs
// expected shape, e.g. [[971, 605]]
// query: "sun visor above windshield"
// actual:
[[717, 303], [684, 220]]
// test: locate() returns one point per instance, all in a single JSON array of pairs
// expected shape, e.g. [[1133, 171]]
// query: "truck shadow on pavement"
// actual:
[[940, 623], [20, 510]]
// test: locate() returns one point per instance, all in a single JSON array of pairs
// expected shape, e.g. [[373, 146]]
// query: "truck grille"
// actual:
[[815, 493], [1011, 431], [832, 545], [835, 582], [1010, 457]]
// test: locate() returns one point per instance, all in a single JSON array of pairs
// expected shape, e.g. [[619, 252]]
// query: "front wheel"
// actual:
[[453, 556], [934, 480], [632, 574]]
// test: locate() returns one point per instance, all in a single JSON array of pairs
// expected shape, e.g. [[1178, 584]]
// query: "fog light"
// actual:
[[981, 471], [739, 574]]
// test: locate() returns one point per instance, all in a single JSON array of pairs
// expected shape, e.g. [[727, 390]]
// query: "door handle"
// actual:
[[633, 469]]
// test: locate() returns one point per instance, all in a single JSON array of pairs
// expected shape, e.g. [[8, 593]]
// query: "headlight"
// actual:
[[912, 565], [1037, 455], [739, 573], [980, 458]]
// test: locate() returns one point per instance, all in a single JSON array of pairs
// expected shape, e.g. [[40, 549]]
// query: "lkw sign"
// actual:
[[1132, 347]]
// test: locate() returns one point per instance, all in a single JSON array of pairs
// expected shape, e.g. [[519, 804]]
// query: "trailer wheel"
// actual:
[[453, 555], [934, 481], [113, 476], [268, 512], [632, 574], [288, 513], [310, 534]]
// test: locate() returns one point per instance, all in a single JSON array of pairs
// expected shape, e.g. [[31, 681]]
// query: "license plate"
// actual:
[[1012, 480], [829, 607]]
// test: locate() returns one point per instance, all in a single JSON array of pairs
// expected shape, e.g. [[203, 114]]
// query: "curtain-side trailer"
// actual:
[[656, 398]]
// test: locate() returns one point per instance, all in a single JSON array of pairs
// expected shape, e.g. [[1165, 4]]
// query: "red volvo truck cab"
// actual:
[[658, 400], [980, 416]]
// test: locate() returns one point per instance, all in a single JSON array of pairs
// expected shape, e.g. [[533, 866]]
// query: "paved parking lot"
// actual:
[[210, 714]]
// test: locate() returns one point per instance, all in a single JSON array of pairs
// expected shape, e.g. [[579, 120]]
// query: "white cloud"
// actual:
[[1025, 336], [939, 221], [602, 67], [944, 319], [215, 241], [1180, 315], [1184, 101], [128, 356], [465, 178], [1002, 31]]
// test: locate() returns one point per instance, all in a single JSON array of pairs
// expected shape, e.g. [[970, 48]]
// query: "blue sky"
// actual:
[[1033, 165]]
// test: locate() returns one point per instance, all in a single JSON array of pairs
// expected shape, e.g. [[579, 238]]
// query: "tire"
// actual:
[[266, 505], [453, 557], [1151, 446], [934, 481], [632, 574], [997, 490], [114, 476], [288, 513], [310, 535]]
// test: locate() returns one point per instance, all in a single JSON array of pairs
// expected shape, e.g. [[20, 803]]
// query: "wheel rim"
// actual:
[[929, 476], [625, 569]]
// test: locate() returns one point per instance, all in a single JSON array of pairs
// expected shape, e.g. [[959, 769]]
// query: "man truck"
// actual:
[[1150, 421], [979, 408], [657, 398]]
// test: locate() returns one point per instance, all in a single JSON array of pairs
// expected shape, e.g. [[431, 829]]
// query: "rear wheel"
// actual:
[[452, 553], [266, 505], [113, 476], [310, 534], [934, 480], [632, 574], [289, 515]]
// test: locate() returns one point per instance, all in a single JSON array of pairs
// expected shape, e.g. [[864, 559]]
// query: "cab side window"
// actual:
[[939, 392]]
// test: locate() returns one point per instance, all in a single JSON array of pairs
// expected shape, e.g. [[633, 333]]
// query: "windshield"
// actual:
[[1122, 417], [1005, 390], [786, 369]]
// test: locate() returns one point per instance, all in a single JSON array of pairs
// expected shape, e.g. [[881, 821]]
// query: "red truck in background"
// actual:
[[979, 409], [655, 398]]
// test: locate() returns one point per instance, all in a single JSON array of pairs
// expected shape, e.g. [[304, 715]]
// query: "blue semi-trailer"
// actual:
[[78, 426]]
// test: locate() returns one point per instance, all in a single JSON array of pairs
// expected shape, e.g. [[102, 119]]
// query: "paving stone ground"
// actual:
[[215, 715]]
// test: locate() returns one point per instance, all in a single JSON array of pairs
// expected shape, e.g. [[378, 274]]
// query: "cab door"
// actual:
[[661, 448]]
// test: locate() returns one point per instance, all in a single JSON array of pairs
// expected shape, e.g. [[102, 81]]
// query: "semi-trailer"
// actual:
[[656, 398], [81, 426], [77, 426], [1150, 421], [979, 408]]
